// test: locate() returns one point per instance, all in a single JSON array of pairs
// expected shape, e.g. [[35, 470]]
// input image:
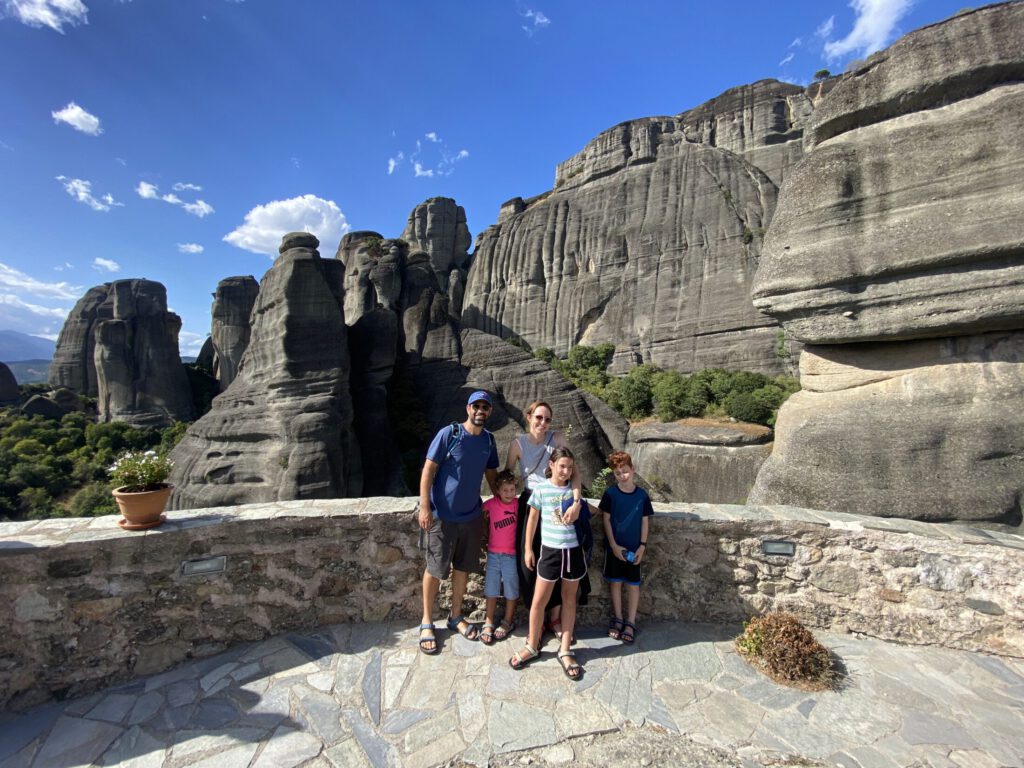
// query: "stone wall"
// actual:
[[85, 605]]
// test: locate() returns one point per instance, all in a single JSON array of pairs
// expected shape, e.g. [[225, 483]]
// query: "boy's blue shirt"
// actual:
[[626, 511]]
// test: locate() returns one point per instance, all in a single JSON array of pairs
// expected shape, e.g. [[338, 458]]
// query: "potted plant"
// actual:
[[140, 489]]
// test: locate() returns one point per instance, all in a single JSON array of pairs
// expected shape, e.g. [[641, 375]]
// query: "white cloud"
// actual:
[[826, 27], [786, 60], [23, 303], [46, 13], [190, 343], [78, 119], [431, 160], [199, 208], [874, 27], [121, 161], [797, 42], [190, 248], [25, 317], [146, 190], [538, 19], [182, 186], [105, 265], [62, 267], [265, 224], [14, 279], [81, 190], [13, 301], [393, 162], [5, 145]]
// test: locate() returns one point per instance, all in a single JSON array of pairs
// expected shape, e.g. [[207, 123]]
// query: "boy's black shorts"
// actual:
[[616, 570]]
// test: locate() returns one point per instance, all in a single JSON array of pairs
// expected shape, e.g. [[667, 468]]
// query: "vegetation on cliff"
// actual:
[[60, 468], [669, 395]]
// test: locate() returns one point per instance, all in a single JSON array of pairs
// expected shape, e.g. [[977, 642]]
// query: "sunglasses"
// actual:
[[545, 419], [480, 407]]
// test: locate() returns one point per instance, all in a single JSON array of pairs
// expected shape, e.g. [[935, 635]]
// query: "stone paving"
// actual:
[[361, 695]]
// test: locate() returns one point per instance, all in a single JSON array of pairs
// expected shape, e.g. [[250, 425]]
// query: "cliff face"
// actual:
[[403, 318], [282, 430], [649, 240], [229, 329], [897, 254], [120, 345]]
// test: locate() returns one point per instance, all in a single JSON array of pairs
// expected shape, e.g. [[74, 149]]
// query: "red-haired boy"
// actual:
[[626, 527]]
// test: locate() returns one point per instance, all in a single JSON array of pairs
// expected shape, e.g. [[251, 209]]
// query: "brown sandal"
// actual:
[[571, 667], [504, 629], [519, 661]]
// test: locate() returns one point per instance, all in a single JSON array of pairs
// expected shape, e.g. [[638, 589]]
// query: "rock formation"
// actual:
[[120, 345], [393, 291], [232, 305], [699, 462], [37, 405], [903, 223], [9, 389], [73, 364], [649, 240], [206, 356], [283, 429], [438, 228]]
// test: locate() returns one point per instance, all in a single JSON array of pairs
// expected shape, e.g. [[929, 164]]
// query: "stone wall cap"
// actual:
[[19, 537]]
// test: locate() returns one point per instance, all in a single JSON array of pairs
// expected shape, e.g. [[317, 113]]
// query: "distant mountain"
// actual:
[[30, 371], [15, 347]]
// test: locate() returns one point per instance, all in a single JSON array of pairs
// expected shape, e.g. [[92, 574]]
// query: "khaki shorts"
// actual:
[[454, 545]]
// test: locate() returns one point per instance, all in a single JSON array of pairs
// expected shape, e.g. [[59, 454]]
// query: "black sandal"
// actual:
[[470, 632], [629, 632], [431, 639], [571, 667]]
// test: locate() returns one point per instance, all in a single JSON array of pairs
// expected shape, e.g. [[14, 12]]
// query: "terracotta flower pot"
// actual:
[[142, 510]]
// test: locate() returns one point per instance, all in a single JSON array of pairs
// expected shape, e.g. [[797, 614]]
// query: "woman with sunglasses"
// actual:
[[529, 454]]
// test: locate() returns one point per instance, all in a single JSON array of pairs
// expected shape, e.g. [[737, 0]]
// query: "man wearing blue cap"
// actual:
[[451, 513]]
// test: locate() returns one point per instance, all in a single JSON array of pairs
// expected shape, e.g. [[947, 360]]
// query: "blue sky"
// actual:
[[176, 140]]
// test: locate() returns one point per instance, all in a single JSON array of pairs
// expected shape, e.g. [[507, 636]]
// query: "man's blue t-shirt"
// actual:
[[627, 512], [455, 494]]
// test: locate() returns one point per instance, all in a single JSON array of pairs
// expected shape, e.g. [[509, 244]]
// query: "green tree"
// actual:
[[93, 500], [744, 406], [677, 396]]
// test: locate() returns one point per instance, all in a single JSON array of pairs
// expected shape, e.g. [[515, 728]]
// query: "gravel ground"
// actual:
[[636, 748]]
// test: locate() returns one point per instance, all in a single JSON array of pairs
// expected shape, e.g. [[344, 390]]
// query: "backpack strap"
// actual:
[[456, 437]]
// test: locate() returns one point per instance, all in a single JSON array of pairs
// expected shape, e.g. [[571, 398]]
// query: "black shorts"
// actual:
[[453, 545], [616, 570], [566, 564]]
